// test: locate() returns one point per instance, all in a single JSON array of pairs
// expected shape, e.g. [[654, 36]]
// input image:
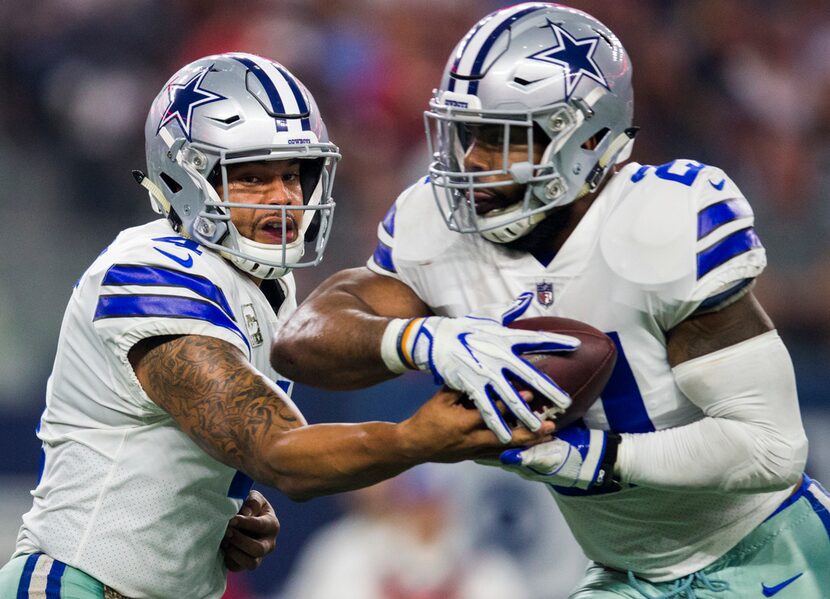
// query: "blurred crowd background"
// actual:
[[741, 84]]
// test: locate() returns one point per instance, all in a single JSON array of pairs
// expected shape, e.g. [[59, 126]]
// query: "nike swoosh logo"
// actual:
[[718, 185], [770, 591], [462, 338], [186, 262]]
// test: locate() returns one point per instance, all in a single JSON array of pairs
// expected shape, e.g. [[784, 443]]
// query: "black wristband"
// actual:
[[605, 475]]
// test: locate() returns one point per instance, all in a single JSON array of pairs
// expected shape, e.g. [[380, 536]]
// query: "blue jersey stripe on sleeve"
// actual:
[[389, 220], [712, 217], [123, 274], [53, 580], [383, 257], [727, 248], [163, 306]]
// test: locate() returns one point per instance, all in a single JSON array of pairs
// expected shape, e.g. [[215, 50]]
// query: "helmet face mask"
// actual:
[[232, 109], [532, 75]]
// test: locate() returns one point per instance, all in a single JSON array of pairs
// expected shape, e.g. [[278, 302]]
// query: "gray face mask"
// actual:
[[230, 109], [535, 77]]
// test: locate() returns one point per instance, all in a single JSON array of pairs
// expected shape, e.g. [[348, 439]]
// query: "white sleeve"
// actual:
[[751, 438]]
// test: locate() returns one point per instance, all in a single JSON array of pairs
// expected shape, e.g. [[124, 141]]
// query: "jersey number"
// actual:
[[685, 174], [621, 398]]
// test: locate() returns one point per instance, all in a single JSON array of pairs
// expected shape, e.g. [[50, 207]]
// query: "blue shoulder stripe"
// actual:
[[389, 220], [712, 217], [727, 248], [164, 306], [383, 257], [53, 580], [154, 276]]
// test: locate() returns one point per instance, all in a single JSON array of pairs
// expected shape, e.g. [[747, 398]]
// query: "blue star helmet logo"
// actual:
[[184, 98], [573, 55]]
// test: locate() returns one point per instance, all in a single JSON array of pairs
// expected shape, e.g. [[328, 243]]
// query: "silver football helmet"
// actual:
[[531, 73], [227, 109]]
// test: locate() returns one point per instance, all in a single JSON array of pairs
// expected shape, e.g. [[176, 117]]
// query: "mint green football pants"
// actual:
[[38, 576], [786, 557]]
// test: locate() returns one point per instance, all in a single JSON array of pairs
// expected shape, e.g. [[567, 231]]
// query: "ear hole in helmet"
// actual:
[[170, 182], [592, 142], [539, 135], [214, 177], [314, 228], [310, 170]]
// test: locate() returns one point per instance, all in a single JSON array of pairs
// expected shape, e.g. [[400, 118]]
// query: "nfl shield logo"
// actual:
[[544, 293]]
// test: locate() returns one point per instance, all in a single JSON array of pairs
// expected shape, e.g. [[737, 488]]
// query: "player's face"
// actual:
[[266, 183], [484, 153]]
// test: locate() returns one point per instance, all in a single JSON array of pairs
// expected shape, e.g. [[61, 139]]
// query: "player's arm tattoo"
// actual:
[[701, 335], [214, 394]]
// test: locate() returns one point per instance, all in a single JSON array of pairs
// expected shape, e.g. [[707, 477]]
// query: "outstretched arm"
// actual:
[[244, 420], [333, 339], [360, 328]]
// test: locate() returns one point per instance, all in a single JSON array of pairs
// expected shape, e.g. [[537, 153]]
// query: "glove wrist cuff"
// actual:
[[397, 344]]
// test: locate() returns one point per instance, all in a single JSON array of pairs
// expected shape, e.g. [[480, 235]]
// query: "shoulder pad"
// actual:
[[419, 230], [649, 235], [683, 228]]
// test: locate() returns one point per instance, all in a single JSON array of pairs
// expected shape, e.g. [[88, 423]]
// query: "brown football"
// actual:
[[583, 373]]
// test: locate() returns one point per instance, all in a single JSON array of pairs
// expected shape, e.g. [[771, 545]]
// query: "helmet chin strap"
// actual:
[[513, 230], [619, 149]]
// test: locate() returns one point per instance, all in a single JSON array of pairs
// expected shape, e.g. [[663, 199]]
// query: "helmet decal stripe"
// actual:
[[466, 42], [475, 70], [298, 96], [277, 106], [473, 50]]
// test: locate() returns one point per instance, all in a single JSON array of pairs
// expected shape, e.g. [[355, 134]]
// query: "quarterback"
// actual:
[[162, 405], [528, 196]]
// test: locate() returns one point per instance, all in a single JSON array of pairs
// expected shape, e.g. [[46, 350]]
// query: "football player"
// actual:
[[687, 475], [162, 405]]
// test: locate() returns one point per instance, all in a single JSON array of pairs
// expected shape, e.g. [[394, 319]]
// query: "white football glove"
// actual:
[[476, 355], [576, 457]]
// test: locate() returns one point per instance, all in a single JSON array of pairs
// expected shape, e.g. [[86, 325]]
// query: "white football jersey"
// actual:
[[658, 244], [124, 494]]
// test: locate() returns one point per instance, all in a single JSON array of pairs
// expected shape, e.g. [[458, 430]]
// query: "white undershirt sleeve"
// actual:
[[751, 438]]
